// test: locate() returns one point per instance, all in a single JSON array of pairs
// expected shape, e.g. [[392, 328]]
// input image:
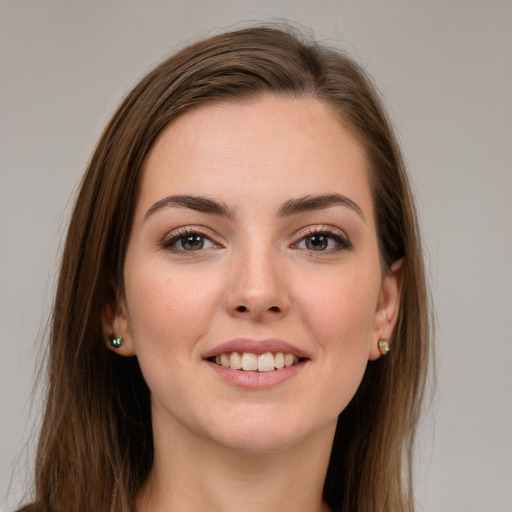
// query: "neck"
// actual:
[[192, 473]]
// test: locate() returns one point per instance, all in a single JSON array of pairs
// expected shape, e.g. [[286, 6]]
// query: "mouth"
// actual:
[[252, 362], [256, 355]]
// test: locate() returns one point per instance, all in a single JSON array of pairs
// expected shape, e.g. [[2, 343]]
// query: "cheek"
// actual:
[[341, 314], [340, 318], [169, 311]]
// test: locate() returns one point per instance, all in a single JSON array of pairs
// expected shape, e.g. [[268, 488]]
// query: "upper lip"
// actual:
[[256, 346]]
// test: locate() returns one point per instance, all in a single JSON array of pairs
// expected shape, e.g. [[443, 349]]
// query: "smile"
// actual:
[[248, 361]]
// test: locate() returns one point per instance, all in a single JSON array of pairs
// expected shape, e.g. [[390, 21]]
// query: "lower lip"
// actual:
[[257, 380]]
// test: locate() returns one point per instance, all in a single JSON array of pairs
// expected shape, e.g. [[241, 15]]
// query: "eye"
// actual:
[[323, 241], [193, 243], [318, 242], [187, 241]]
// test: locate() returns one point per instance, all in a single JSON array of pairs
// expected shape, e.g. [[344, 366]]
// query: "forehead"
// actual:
[[271, 146]]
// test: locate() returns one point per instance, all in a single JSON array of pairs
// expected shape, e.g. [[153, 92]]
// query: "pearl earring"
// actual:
[[116, 341], [383, 347]]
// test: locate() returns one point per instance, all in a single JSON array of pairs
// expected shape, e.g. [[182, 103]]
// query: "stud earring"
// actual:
[[116, 341], [383, 347]]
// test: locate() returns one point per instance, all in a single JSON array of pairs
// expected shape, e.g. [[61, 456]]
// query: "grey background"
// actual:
[[444, 68]]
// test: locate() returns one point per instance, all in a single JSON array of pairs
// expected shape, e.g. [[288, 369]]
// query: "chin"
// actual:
[[258, 441], [269, 434]]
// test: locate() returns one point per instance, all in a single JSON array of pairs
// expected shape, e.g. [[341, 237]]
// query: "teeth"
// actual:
[[266, 362], [235, 361], [224, 360], [251, 362], [289, 359]]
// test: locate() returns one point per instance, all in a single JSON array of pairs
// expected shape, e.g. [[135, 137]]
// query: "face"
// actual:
[[254, 294]]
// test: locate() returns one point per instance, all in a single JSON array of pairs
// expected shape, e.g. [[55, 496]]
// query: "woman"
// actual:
[[242, 255]]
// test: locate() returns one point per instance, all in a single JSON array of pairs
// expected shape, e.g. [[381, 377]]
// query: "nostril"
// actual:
[[243, 309]]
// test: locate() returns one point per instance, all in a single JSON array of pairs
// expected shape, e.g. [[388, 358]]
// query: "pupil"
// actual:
[[192, 242], [317, 242]]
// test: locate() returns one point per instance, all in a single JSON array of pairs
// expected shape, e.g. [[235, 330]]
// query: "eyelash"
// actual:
[[182, 233], [343, 243]]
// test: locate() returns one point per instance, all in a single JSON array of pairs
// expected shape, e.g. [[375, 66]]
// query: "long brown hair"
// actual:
[[95, 449]]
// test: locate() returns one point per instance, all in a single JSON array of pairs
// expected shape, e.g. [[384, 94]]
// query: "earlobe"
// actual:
[[116, 326], [388, 306]]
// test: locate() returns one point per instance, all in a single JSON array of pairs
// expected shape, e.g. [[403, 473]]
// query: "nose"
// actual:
[[257, 287]]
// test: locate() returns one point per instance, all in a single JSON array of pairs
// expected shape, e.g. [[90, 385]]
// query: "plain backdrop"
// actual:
[[444, 69]]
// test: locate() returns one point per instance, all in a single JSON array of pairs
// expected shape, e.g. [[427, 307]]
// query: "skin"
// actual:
[[219, 446]]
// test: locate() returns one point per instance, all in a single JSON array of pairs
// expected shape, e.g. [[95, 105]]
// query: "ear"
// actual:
[[115, 322], [388, 306]]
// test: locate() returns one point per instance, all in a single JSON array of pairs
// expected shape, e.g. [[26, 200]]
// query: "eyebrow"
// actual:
[[198, 203], [311, 203], [291, 207]]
